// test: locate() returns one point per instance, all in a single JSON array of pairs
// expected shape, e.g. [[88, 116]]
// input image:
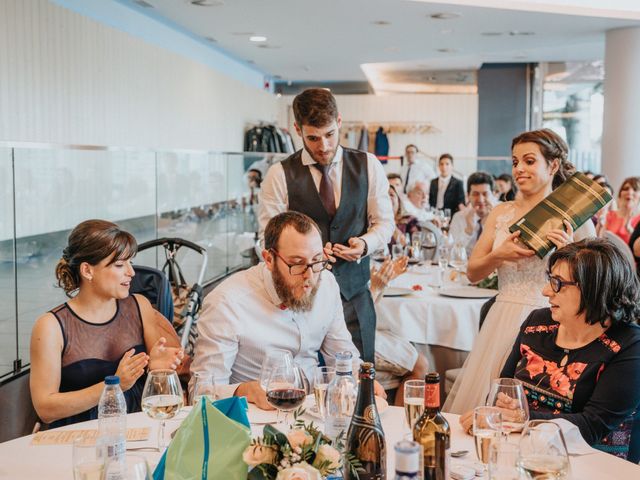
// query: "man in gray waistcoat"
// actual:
[[346, 192]]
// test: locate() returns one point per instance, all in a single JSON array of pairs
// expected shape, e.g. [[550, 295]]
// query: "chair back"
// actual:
[[17, 415]]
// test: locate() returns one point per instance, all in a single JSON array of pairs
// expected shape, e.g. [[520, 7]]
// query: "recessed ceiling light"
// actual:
[[514, 33], [257, 38], [142, 3], [491, 34], [444, 15], [446, 50], [206, 3], [381, 23]]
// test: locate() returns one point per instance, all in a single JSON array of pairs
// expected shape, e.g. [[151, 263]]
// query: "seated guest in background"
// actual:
[[467, 224], [580, 358], [287, 302], [102, 330], [634, 243], [404, 223], [413, 170], [601, 179], [418, 202], [506, 187], [446, 191], [396, 357], [623, 220], [395, 180]]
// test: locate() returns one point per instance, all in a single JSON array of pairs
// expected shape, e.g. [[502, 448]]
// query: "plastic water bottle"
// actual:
[[341, 398], [112, 421]]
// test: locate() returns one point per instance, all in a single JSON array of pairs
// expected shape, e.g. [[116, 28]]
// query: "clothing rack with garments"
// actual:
[[391, 127], [267, 137]]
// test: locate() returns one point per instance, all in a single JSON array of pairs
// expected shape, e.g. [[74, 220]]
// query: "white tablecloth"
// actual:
[[428, 318], [20, 460]]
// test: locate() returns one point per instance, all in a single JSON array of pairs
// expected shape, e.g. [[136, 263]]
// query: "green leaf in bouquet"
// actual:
[[276, 435], [264, 471]]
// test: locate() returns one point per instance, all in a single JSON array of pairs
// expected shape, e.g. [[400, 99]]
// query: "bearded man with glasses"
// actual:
[[288, 302]]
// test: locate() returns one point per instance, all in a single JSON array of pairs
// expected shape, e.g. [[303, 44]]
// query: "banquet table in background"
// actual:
[[20, 460], [442, 328]]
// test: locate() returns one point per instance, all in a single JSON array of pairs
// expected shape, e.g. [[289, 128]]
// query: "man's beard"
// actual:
[[333, 153], [304, 304]]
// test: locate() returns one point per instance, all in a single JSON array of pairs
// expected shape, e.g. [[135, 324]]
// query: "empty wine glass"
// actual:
[[162, 398], [286, 389], [458, 258], [204, 387], [508, 394], [487, 428], [543, 452], [503, 461], [273, 358]]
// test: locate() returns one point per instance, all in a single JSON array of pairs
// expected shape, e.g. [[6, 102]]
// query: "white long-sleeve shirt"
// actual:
[[274, 198], [243, 318]]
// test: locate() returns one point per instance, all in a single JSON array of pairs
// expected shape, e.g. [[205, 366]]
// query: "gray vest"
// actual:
[[351, 219]]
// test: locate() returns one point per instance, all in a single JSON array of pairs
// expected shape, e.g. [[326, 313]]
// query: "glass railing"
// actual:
[[204, 197]]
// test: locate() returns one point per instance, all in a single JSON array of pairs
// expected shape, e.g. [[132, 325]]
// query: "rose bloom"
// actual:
[[299, 438], [257, 454], [328, 453], [302, 471]]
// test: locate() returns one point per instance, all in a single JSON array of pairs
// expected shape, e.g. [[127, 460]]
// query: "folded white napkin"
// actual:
[[575, 443]]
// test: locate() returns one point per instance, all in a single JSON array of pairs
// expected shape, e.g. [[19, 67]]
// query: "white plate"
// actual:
[[468, 292], [397, 292], [381, 404]]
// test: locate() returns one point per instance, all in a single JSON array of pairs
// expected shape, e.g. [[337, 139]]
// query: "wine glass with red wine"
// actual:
[[286, 389]]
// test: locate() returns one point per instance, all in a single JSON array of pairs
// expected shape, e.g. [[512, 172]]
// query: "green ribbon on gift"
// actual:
[[209, 444], [577, 200]]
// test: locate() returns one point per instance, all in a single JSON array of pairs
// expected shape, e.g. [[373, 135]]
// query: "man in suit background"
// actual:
[[446, 191]]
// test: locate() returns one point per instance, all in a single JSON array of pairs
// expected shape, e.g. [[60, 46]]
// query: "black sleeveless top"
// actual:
[[93, 351]]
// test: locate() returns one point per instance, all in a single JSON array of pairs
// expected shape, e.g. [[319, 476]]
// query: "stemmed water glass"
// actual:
[[162, 398], [204, 387], [458, 258], [88, 460], [273, 358], [508, 395], [287, 389], [543, 451]]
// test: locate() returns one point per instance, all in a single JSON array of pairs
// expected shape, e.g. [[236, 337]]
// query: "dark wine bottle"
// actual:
[[433, 433], [365, 437]]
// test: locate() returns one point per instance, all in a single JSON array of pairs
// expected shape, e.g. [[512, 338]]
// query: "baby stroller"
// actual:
[[169, 292]]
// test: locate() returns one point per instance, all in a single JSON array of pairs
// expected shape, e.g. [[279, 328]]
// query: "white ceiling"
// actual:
[[329, 41]]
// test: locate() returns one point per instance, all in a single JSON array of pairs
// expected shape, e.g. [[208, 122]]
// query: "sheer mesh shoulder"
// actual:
[[522, 279]]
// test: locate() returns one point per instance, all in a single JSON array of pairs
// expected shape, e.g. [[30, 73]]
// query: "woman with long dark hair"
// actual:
[[539, 164]]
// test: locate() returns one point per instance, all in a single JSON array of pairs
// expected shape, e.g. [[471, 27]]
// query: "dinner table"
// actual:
[[19, 459], [440, 316]]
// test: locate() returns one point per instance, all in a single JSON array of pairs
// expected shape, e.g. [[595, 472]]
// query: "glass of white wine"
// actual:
[[204, 386], [88, 463], [543, 452], [323, 377], [162, 398], [413, 401], [487, 429], [508, 394]]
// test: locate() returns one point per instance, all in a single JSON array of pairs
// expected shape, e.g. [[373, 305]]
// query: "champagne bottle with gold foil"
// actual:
[[365, 438], [433, 433]]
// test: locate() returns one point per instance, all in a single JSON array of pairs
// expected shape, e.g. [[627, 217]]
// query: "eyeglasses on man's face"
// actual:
[[301, 268], [557, 283]]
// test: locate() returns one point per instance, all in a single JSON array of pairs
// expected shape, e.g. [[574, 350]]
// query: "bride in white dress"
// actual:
[[539, 165]]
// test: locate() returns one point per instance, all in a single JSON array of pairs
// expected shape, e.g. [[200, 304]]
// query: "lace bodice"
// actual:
[[521, 280]]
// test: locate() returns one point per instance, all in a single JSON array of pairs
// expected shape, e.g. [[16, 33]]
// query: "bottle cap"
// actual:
[[407, 456], [344, 362], [367, 370], [112, 380], [433, 377]]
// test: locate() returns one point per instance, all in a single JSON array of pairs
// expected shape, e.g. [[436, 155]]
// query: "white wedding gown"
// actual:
[[520, 286]]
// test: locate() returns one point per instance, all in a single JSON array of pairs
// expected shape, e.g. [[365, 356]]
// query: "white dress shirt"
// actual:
[[443, 183], [458, 230], [418, 172], [274, 198], [243, 318]]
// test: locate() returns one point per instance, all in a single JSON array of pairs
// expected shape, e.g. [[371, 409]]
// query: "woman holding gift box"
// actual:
[[539, 164]]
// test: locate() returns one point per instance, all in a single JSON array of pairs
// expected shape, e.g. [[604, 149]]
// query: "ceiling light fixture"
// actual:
[[444, 16], [446, 50], [381, 23], [515, 33], [257, 38], [143, 4], [206, 3]]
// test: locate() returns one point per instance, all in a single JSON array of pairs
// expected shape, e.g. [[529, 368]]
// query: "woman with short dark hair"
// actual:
[[579, 359]]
